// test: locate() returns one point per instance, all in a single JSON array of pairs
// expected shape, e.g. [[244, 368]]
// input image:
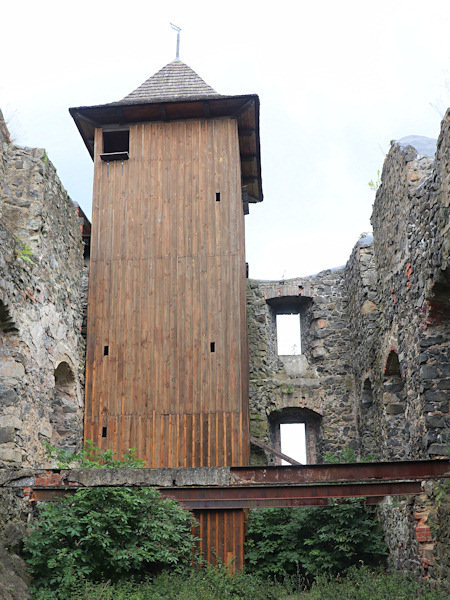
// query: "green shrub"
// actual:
[[307, 541], [207, 583], [91, 457], [363, 584], [107, 533]]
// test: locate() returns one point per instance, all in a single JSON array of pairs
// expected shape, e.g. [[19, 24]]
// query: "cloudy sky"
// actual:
[[337, 81]]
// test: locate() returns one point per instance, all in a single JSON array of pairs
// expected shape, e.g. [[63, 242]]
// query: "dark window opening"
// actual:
[[104, 432], [105, 350], [217, 196], [116, 141], [392, 365], [439, 302], [367, 394], [213, 346], [7, 324], [393, 384], [116, 145]]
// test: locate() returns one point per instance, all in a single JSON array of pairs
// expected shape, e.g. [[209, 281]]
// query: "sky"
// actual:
[[337, 82]]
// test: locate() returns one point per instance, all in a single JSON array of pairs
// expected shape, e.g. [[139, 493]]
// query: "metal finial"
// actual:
[[177, 29]]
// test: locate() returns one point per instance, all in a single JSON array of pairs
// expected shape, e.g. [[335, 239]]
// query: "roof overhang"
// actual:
[[244, 108]]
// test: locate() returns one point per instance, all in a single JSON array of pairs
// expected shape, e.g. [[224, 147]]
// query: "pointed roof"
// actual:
[[175, 81], [177, 92]]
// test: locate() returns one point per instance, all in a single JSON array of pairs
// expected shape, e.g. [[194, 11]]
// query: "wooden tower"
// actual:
[[175, 165]]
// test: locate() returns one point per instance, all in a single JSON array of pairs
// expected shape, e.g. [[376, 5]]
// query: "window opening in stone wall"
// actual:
[[289, 335], [394, 395], [367, 394], [64, 407], [7, 324], [392, 365], [293, 441], [305, 434]]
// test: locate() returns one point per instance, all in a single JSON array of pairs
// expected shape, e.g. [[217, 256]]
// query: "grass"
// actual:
[[363, 584], [211, 583], [207, 583]]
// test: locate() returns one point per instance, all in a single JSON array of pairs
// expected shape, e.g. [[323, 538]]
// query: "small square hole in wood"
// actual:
[[213, 346], [217, 196], [104, 431], [105, 350]]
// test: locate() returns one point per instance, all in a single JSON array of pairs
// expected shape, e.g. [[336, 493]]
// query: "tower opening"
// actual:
[[296, 432], [289, 335], [293, 441], [116, 142]]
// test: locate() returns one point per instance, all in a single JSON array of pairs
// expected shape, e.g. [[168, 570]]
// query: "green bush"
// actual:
[[107, 533], [91, 457], [212, 583], [207, 583], [307, 541], [363, 584]]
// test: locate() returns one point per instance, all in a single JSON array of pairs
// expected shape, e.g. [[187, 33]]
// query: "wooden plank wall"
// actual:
[[222, 536], [167, 280]]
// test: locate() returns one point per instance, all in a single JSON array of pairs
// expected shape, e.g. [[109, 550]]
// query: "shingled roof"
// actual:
[[175, 81]]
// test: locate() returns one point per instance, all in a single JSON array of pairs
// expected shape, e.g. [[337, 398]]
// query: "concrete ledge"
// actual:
[[154, 477]]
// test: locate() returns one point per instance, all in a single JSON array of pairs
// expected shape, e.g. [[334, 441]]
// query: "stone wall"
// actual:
[[41, 346], [315, 387], [398, 289], [375, 366], [373, 374]]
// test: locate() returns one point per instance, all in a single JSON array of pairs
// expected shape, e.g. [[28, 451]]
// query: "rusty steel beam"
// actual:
[[413, 469], [49, 494], [213, 498], [265, 503], [251, 487]]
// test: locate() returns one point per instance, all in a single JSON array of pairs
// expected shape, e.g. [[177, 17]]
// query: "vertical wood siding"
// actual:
[[168, 279]]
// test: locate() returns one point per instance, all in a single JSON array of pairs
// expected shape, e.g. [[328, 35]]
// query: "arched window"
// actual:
[[393, 386], [64, 406], [366, 394], [392, 368]]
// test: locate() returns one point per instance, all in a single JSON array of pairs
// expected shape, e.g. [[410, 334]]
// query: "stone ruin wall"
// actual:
[[375, 353], [374, 370], [375, 340], [398, 290], [41, 346], [317, 386]]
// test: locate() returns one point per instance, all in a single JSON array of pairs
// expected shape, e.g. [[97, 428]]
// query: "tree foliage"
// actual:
[[306, 541], [107, 533]]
